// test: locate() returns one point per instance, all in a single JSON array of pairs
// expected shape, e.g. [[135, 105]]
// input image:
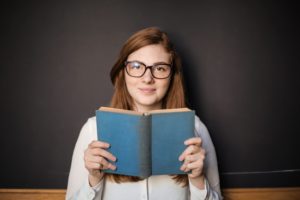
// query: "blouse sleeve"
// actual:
[[78, 184], [212, 182]]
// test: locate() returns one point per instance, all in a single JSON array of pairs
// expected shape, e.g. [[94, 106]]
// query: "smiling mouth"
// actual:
[[147, 90]]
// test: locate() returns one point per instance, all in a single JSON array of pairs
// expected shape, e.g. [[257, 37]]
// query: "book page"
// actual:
[[170, 110], [116, 110], [131, 112]]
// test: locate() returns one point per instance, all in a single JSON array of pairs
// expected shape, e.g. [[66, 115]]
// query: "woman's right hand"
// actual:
[[95, 160]]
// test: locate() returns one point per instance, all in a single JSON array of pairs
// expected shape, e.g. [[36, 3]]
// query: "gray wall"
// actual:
[[240, 61]]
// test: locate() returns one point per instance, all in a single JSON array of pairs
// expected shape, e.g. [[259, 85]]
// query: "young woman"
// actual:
[[146, 76]]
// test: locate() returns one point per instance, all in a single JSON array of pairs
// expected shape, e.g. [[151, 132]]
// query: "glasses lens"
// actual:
[[161, 71], [135, 69]]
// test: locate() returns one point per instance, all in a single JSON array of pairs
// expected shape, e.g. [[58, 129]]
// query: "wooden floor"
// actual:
[[32, 194], [229, 194], [262, 193]]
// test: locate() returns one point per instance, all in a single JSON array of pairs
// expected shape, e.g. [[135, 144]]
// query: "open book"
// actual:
[[145, 144]]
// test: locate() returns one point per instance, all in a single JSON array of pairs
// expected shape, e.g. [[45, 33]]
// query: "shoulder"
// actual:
[[89, 130], [90, 124], [202, 132], [91, 121], [200, 128]]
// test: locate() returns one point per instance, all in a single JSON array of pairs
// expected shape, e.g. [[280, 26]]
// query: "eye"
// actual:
[[161, 68], [135, 65]]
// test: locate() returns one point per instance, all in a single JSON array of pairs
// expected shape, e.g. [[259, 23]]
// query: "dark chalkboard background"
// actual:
[[241, 64]]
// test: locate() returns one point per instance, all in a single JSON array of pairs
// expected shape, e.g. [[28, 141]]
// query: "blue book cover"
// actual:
[[145, 144], [169, 131]]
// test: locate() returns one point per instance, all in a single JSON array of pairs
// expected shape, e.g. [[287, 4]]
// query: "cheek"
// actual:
[[165, 86], [129, 82]]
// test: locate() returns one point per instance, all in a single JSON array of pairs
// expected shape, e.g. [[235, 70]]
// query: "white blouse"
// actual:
[[153, 188]]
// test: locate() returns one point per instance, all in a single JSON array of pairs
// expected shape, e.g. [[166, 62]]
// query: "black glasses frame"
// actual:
[[146, 67]]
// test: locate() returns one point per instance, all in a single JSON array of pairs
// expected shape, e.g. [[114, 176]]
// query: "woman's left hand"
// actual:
[[193, 157]]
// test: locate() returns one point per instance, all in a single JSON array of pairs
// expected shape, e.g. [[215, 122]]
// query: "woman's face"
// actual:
[[147, 92]]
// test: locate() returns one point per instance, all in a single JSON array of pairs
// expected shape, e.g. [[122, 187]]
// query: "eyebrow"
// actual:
[[156, 63]]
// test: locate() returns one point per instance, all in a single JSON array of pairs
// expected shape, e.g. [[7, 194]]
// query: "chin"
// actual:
[[148, 103]]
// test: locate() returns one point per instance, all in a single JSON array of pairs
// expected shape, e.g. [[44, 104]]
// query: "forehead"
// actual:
[[150, 54]]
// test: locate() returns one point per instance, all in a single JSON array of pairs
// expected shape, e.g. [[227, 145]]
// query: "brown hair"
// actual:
[[174, 98]]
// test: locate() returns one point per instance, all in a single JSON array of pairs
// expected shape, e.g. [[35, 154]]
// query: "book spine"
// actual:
[[145, 146]]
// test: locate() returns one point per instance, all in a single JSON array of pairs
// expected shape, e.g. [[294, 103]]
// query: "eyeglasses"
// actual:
[[138, 69]]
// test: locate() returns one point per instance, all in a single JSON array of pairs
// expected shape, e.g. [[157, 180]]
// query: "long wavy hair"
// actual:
[[175, 96]]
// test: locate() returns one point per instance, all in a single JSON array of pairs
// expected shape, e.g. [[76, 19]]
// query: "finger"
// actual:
[[99, 144], [196, 169], [90, 165], [186, 166], [103, 153], [191, 158], [96, 159], [195, 173], [110, 166], [91, 161], [99, 163], [191, 168], [193, 141], [105, 164], [195, 165], [192, 149], [93, 165], [91, 158], [183, 167]]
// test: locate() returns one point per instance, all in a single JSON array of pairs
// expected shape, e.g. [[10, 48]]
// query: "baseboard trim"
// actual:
[[289, 193], [229, 194], [32, 194]]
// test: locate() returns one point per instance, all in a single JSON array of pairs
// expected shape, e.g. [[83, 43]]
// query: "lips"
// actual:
[[147, 90]]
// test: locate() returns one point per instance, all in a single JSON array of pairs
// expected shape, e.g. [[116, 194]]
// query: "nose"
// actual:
[[147, 77]]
